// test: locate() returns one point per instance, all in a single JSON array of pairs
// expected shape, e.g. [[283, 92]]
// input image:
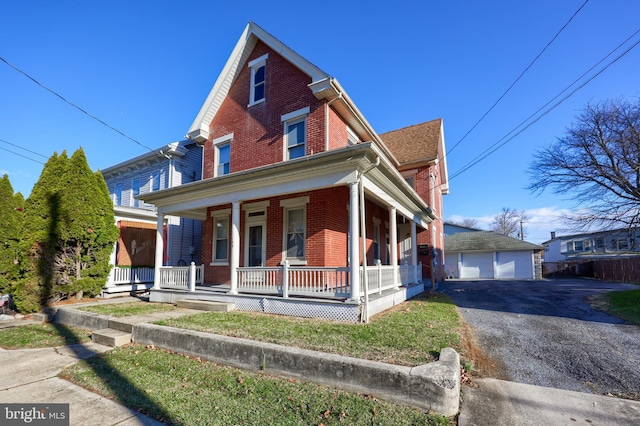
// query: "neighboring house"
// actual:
[[602, 244], [293, 177], [452, 228], [489, 255], [133, 256]]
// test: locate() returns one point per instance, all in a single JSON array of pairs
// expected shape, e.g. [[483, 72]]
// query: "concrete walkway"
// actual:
[[498, 402], [30, 376]]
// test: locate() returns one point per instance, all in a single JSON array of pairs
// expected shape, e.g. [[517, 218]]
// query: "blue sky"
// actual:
[[146, 67]]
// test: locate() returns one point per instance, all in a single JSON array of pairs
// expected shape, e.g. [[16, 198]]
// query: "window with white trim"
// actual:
[[220, 248], [222, 147], [295, 133], [258, 79], [118, 195], [155, 181], [295, 229], [135, 190]]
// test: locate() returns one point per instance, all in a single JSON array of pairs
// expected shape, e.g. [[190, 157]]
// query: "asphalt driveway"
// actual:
[[545, 333]]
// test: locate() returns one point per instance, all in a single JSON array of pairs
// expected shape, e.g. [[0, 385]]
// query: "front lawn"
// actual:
[[178, 389], [412, 333], [42, 336], [128, 308]]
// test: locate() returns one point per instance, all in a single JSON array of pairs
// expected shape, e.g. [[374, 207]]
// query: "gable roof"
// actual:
[[420, 145], [485, 241], [323, 86]]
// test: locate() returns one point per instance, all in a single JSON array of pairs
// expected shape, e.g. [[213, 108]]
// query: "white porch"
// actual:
[[298, 291]]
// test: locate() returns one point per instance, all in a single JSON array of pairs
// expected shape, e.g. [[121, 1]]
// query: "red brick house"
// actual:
[[297, 186]]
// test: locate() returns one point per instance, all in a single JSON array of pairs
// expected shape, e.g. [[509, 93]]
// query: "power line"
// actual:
[[20, 155], [497, 145], [74, 105], [25, 149], [519, 77]]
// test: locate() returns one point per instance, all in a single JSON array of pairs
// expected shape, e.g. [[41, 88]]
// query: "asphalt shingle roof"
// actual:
[[414, 143], [485, 241]]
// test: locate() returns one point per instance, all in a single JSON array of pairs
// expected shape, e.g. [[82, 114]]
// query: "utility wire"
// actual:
[[25, 149], [493, 148], [20, 155], [519, 77], [74, 105]]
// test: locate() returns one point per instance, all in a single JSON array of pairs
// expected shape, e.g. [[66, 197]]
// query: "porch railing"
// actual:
[[132, 275], [380, 277], [300, 281], [181, 277]]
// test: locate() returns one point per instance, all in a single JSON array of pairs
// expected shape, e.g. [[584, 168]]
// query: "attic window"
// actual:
[[258, 79]]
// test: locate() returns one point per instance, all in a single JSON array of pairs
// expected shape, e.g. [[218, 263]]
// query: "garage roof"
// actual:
[[485, 241]]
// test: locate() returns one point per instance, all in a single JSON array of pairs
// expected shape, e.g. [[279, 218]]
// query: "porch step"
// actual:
[[206, 305], [111, 337]]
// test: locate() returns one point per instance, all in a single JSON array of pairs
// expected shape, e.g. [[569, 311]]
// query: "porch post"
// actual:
[[414, 250], [159, 250], [235, 246], [354, 261], [393, 242]]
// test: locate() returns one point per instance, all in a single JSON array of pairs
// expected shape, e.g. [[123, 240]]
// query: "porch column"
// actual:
[[159, 250], [354, 225], [235, 246], [393, 242], [414, 250]]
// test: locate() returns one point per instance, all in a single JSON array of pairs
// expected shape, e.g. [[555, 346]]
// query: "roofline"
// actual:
[[165, 151]]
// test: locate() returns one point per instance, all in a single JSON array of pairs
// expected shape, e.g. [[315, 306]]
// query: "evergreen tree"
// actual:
[[69, 233], [11, 210]]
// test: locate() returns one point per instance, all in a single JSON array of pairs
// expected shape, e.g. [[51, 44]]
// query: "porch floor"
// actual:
[[340, 309]]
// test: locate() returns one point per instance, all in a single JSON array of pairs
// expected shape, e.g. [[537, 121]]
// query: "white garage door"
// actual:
[[477, 265], [514, 264]]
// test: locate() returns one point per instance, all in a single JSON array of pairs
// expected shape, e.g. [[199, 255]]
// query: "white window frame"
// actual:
[[255, 65], [352, 137], [217, 216], [155, 177], [288, 205], [135, 190], [217, 144], [294, 117], [251, 209], [410, 177], [118, 195]]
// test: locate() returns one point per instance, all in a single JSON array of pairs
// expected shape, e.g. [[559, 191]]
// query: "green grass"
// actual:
[[128, 308], [411, 334], [623, 304], [42, 336], [188, 391]]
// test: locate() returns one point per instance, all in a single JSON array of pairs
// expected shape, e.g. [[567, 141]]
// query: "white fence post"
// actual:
[[285, 279], [192, 277], [379, 267]]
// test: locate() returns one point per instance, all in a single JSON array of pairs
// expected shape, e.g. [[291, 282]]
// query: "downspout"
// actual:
[[363, 238]]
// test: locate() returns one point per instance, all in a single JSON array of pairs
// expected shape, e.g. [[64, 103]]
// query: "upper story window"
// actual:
[[155, 181], [352, 138], [135, 190], [223, 154], [118, 195], [258, 79], [295, 133]]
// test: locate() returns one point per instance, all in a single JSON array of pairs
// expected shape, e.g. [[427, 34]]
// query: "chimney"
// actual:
[[553, 235]]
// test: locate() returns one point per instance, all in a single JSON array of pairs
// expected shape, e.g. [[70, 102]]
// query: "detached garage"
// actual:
[[489, 255]]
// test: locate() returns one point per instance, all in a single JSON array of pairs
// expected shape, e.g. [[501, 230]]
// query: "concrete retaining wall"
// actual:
[[433, 387]]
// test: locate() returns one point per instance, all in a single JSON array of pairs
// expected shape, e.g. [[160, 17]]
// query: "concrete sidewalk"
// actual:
[[498, 402], [29, 376]]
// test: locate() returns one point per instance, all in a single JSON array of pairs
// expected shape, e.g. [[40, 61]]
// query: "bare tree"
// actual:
[[510, 222], [466, 222], [596, 164]]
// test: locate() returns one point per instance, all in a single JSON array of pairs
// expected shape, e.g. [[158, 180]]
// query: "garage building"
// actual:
[[489, 255]]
